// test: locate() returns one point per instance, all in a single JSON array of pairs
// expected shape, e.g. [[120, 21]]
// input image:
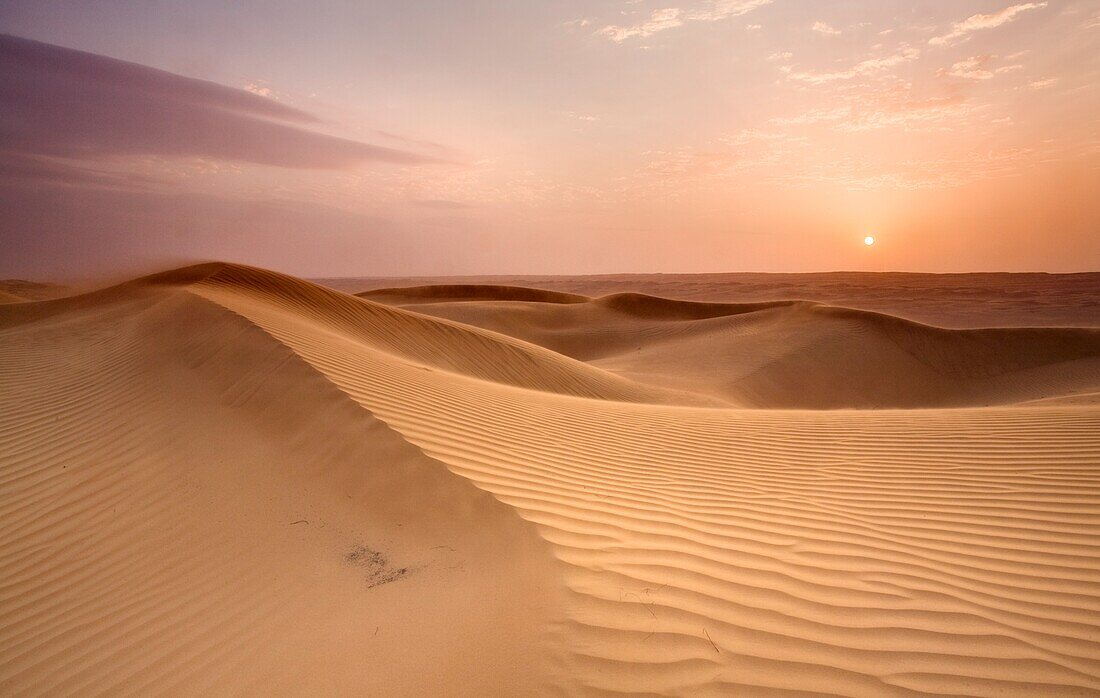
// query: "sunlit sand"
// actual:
[[223, 479]]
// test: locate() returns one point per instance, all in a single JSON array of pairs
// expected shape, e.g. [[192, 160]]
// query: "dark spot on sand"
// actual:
[[376, 567]]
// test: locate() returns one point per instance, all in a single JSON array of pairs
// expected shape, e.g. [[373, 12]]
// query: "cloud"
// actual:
[[260, 90], [671, 17], [60, 102], [961, 31], [1042, 84], [722, 9], [977, 68], [972, 68], [823, 28], [581, 117], [891, 106], [658, 21], [753, 27], [781, 56], [864, 68]]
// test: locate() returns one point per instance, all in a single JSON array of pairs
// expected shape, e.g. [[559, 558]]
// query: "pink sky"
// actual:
[[559, 137]]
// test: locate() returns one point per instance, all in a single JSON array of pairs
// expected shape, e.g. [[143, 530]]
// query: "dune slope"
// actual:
[[850, 553], [658, 549], [188, 507], [784, 354]]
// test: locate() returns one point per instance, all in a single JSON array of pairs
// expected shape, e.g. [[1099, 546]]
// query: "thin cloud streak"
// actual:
[[672, 17], [724, 9], [658, 21], [864, 68], [962, 30], [66, 103]]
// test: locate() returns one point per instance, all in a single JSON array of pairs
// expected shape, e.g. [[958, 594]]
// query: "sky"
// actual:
[[559, 137]]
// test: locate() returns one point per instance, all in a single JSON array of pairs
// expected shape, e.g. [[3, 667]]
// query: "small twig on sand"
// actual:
[[298, 522], [712, 641]]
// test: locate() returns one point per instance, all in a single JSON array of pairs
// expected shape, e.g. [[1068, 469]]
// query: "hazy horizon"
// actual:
[[571, 138]]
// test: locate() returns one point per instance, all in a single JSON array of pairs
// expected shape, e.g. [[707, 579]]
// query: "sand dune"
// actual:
[[472, 292], [189, 507], [227, 480], [20, 290], [945, 300], [784, 354]]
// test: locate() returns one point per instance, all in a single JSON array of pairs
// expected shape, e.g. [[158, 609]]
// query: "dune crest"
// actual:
[[791, 354], [471, 292], [188, 507], [693, 550]]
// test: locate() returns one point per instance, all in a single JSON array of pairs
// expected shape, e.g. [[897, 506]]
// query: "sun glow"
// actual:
[[869, 240]]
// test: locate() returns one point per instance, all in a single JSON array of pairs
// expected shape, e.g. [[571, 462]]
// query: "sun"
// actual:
[[869, 240]]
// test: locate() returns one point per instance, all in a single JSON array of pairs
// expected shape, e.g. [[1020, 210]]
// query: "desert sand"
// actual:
[[224, 480]]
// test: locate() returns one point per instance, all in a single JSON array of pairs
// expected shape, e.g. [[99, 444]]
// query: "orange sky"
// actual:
[[566, 137]]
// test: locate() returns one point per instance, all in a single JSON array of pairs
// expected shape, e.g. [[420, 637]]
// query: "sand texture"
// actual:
[[224, 480]]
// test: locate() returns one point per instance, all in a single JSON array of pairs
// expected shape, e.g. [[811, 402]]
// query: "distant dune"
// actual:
[[15, 290], [780, 354], [945, 300], [224, 480]]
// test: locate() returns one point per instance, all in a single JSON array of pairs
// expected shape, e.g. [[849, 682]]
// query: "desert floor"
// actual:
[[224, 480]]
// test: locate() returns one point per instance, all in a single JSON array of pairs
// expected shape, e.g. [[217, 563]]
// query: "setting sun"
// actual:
[[869, 240]]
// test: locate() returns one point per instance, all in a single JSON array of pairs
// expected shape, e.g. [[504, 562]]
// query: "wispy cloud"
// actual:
[[824, 28], [581, 117], [65, 103], [723, 9], [887, 107], [961, 31], [658, 21], [258, 89], [864, 68], [671, 17], [978, 68]]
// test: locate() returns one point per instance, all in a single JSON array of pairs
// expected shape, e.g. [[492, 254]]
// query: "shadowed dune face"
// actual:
[[785, 354], [551, 526], [187, 506]]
